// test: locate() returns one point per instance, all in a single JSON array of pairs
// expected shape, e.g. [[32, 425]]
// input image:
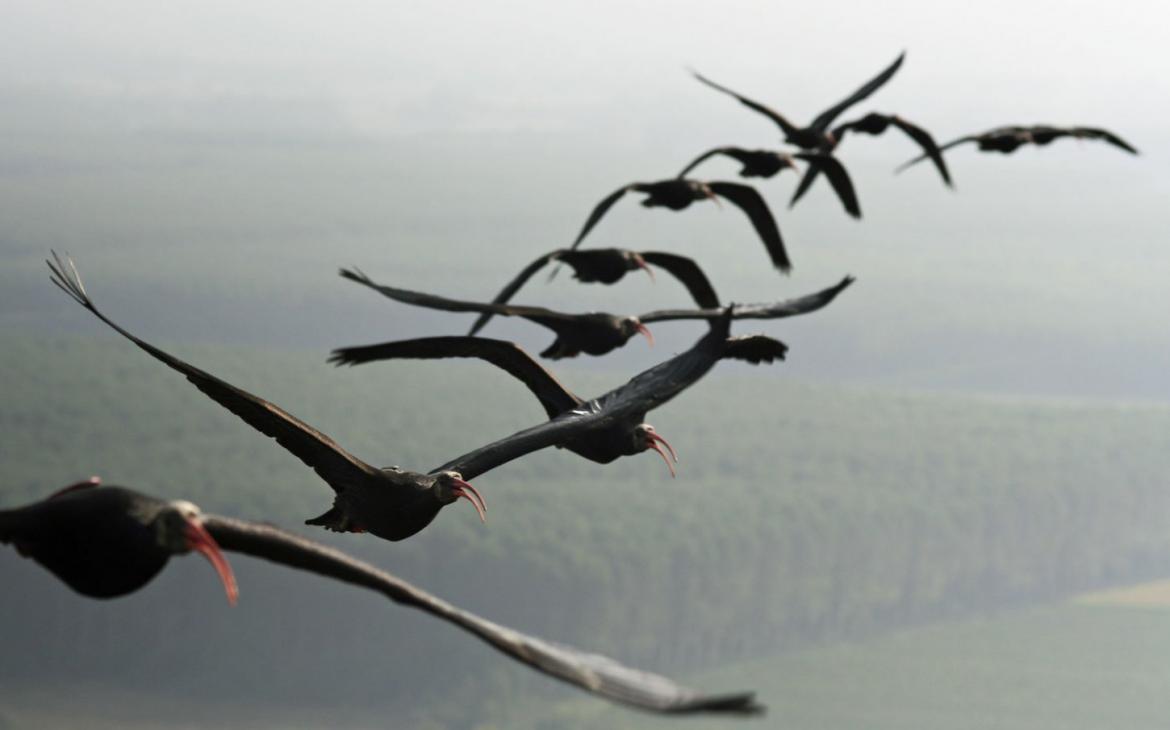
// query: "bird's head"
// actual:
[[449, 487], [631, 326], [178, 529], [646, 438]]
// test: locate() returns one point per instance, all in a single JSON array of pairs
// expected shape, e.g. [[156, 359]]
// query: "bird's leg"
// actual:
[[655, 441], [464, 490], [201, 541]]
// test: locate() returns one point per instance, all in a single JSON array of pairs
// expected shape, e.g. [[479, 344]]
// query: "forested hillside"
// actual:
[[801, 513]]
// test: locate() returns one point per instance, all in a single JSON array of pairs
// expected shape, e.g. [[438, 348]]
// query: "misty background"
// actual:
[[979, 424]]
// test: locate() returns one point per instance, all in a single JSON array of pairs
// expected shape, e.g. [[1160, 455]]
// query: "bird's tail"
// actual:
[[334, 519]]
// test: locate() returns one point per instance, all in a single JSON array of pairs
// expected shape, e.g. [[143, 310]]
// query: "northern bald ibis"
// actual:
[[876, 124], [598, 333], [1009, 139], [110, 541], [767, 163], [679, 193], [625, 436], [816, 136], [390, 503], [607, 266]]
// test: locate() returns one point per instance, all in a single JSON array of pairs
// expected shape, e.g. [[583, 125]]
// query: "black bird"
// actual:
[[1009, 139], [598, 333], [679, 193], [110, 541], [390, 503], [816, 136], [767, 163], [602, 445], [107, 542], [876, 124], [607, 266]]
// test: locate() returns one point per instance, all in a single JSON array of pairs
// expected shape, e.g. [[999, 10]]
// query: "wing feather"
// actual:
[[749, 201]]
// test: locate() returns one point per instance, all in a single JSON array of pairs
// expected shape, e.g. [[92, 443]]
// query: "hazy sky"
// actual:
[[157, 140]]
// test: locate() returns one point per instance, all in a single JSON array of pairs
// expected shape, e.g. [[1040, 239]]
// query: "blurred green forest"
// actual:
[[802, 514]]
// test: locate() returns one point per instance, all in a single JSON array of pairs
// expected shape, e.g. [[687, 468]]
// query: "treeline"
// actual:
[[826, 513]]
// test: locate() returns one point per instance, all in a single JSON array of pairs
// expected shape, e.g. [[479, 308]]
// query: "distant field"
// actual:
[[1069, 666], [1153, 594]]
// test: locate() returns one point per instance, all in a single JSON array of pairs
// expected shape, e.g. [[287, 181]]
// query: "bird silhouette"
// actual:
[[608, 266], [1008, 139], [597, 333], [110, 541], [679, 193], [767, 163]]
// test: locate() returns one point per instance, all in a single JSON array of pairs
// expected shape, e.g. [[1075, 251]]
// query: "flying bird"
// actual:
[[816, 136], [767, 163], [390, 503], [606, 427], [1008, 139], [679, 193], [597, 333], [110, 541], [601, 445], [607, 266], [876, 124]]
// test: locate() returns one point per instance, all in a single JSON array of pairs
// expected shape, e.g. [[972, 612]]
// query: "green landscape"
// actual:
[[799, 544]]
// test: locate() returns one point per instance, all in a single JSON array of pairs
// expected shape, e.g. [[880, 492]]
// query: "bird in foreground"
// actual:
[[110, 541], [767, 163], [679, 193], [608, 266], [1009, 139], [817, 135], [390, 503], [597, 333], [602, 445], [876, 124]]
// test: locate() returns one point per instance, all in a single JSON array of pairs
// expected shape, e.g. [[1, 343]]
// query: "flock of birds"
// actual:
[[110, 541]]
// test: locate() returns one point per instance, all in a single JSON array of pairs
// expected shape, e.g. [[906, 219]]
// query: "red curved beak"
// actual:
[[201, 541], [714, 199], [641, 262], [464, 490], [655, 441], [645, 332]]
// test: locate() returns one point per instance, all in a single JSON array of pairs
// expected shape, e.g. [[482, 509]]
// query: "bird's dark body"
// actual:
[[599, 265], [393, 505], [596, 333], [675, 194], [98, 541]]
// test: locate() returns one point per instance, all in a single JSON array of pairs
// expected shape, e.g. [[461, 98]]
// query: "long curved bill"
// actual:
[[655, 441], [464, 490], [645, 267], [201, 541], [645, 332], [713, 198]]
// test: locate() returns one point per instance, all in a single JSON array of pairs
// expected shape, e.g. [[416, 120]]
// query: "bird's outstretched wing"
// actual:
[[507, 356], [513, 286], [598, 211], [688, 273], [736, 153], [642, 393], [769, 310], [788, 127], [433, 301], [825, 118], [334, 464], [920, 136], [593, 673], [838, 178], [1104, 134], [754, 349], [749, 201], [953, 143]]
